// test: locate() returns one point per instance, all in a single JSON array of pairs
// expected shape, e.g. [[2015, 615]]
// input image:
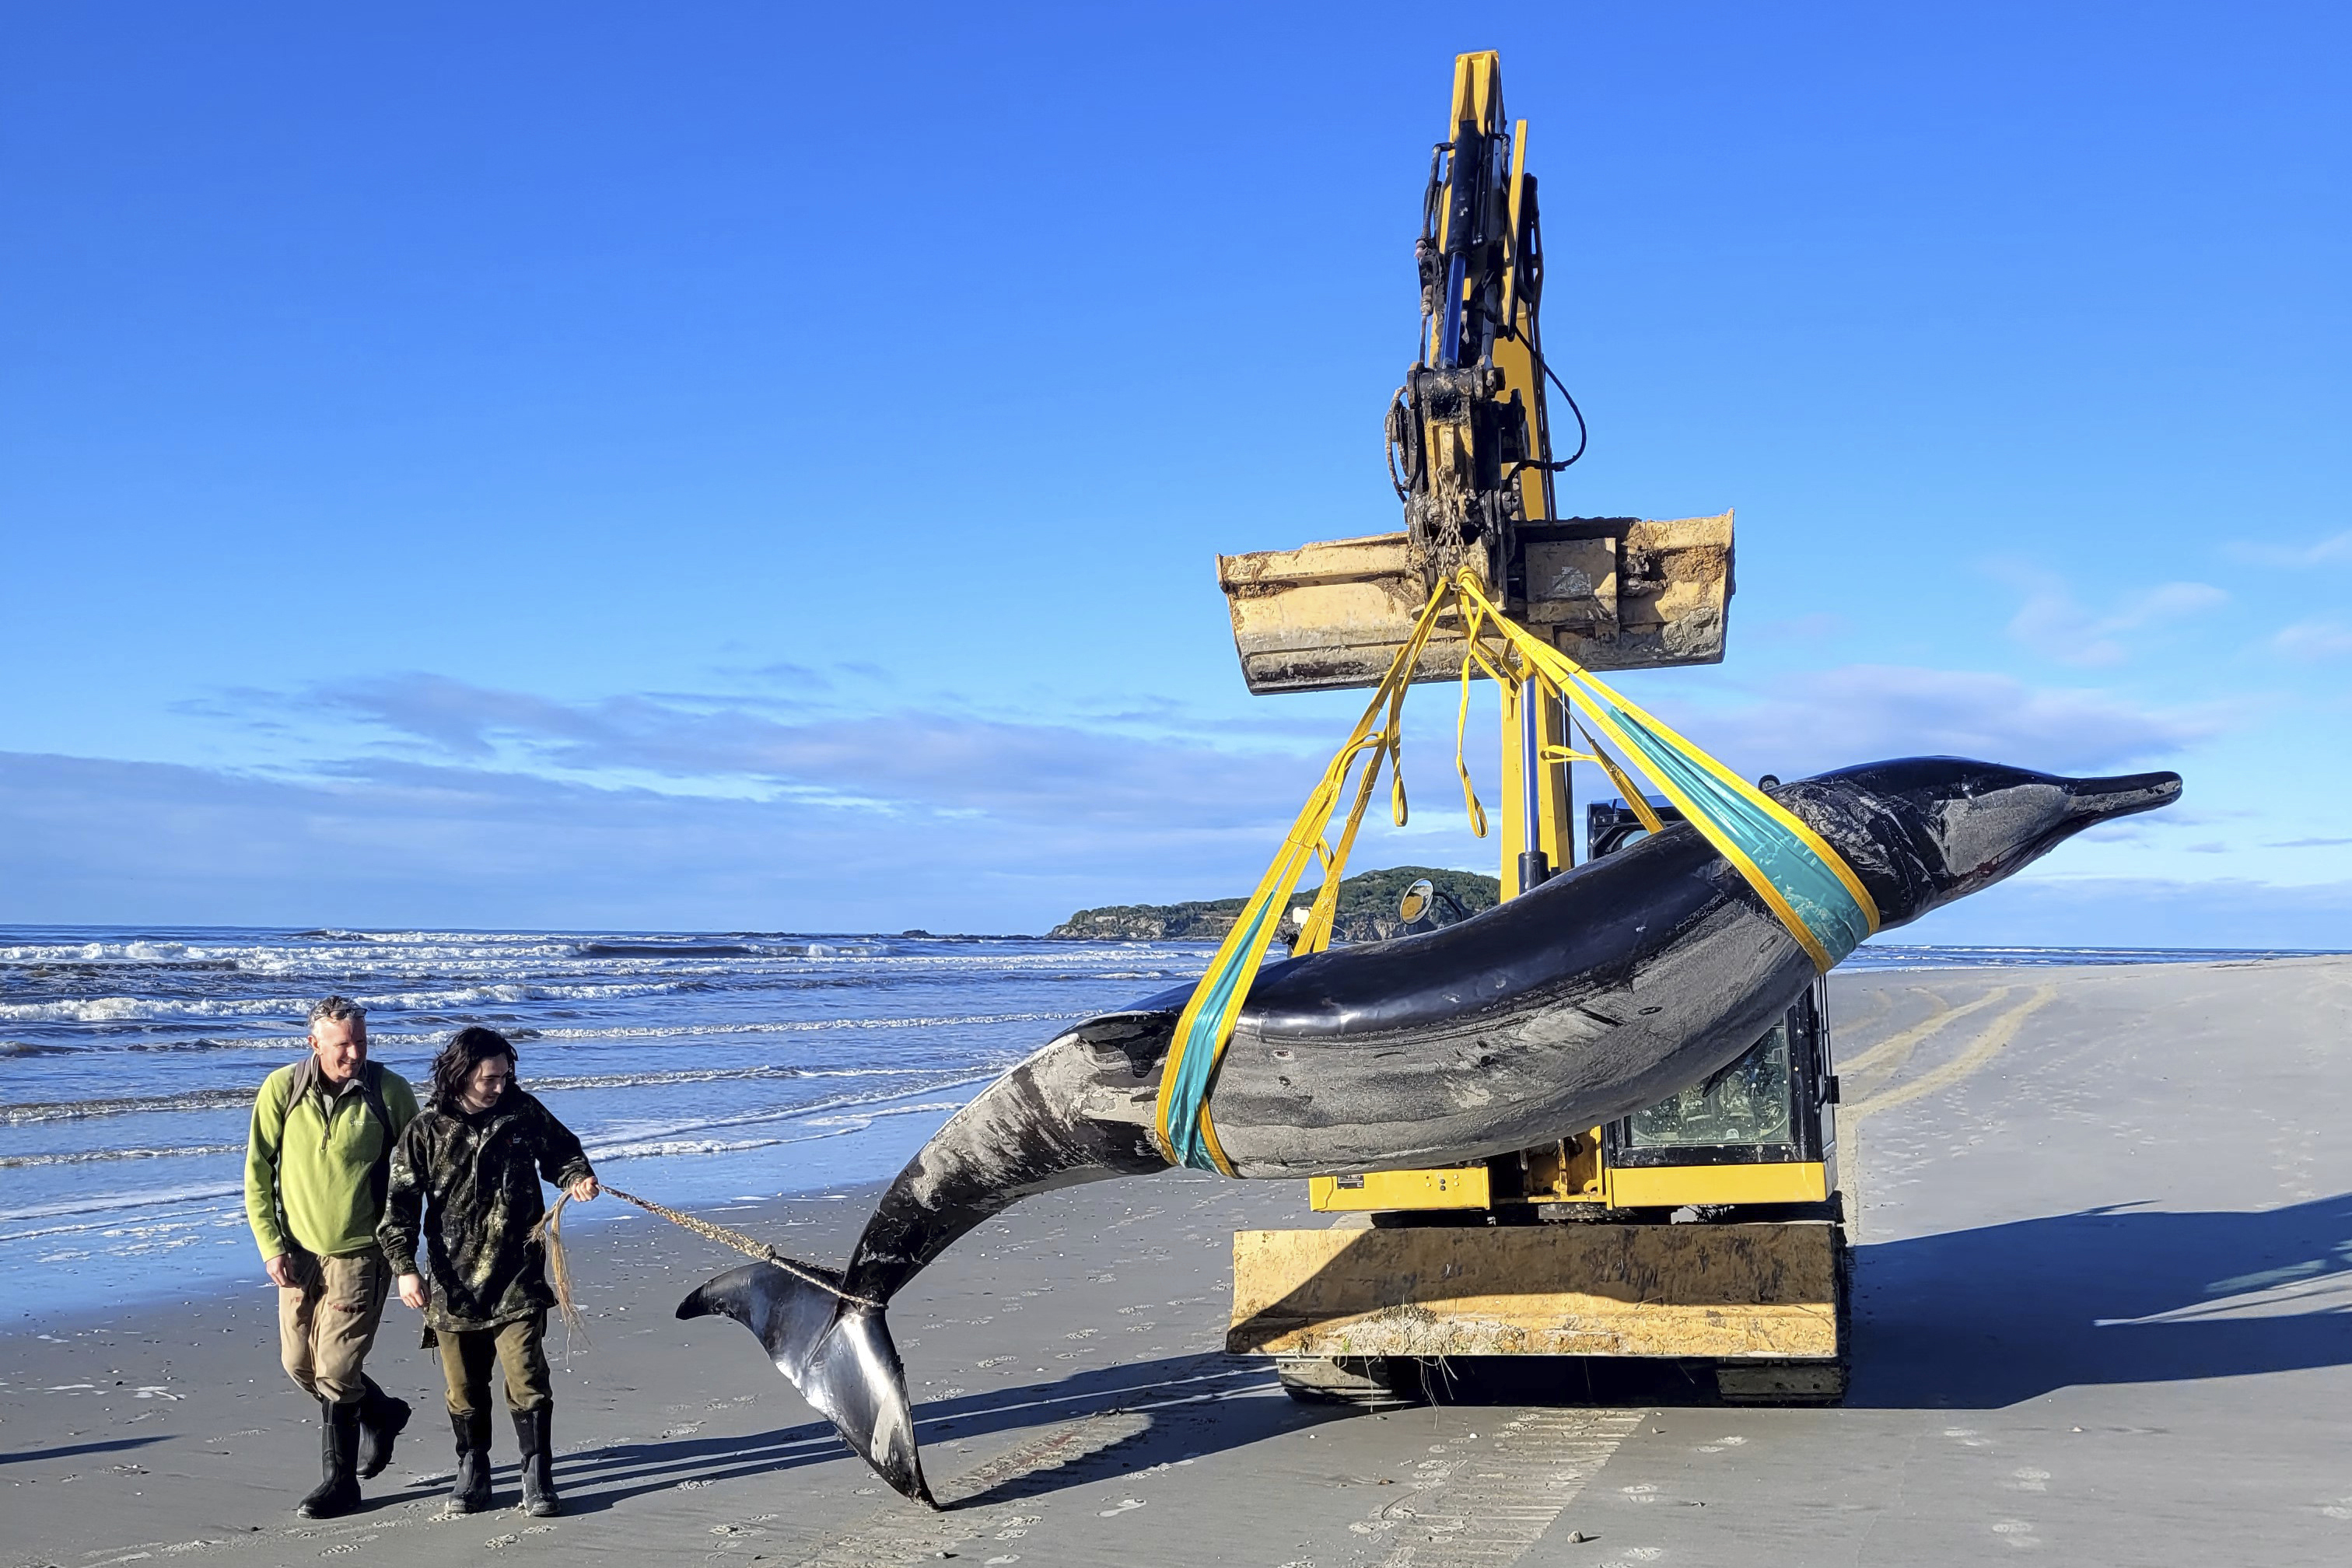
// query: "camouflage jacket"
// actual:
[[480, 1173]]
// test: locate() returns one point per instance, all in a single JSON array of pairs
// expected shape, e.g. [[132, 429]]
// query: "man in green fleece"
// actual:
[[316, 1166]]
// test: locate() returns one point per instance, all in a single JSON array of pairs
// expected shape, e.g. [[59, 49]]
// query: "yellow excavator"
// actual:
[[1705, 1230]]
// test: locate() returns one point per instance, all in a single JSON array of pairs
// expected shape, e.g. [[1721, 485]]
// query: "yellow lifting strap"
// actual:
[[1804, 882]]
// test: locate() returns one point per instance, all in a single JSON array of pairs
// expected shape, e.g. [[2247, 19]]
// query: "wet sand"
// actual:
[[2104, 1314]]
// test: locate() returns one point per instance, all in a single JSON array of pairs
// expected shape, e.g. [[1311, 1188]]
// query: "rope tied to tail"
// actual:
[[551, 1232]]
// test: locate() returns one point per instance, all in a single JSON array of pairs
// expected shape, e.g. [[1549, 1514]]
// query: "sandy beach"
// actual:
[[2103, 1312]]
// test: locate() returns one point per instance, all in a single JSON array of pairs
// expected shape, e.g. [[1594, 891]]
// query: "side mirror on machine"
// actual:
[[1418, 908]]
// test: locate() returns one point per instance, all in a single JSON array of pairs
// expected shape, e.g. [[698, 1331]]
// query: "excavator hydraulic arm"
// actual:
[[1469, 451], [1470, 454]]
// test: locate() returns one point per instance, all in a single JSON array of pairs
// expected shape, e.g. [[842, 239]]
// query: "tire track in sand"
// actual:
[[1887, 1057], [1973, 1057], [1978, 1051], [908, 1530], [1490, 1507]]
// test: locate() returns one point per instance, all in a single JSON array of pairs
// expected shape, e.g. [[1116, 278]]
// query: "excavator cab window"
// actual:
[[1765, 1108], [1749, 1101]]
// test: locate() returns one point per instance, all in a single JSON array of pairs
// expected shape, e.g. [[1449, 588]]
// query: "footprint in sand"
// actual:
[[1126, 1505], [2015, 1532]]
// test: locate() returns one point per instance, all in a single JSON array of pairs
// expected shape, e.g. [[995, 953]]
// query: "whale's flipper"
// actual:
[[836, 1353]]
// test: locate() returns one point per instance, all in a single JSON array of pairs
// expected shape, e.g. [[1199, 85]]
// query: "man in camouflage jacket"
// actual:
[[479, 1154]]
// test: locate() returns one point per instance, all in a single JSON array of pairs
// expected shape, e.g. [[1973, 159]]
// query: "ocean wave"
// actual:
[[26, 1113], [669, 1128], [834, 1126], [932, 1079], [128, 1009], [94, 953], [663, 950], [136, 952], [1878, 956], [27, 1048], [761, 1073], [239, 1097], [524, 1034], [672, 1148], [801, 1026], [123, 1009], [114, 1203], [868, 1118], [283, 1044], [216, 1218], [94, 1156]]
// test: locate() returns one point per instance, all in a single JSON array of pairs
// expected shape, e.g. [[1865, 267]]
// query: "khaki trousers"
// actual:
[[519, 1347], [328, 1321]]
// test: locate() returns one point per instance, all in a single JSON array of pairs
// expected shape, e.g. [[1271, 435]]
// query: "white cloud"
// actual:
[[2335, 550], [1869, 712], [2131, 912], [924, 761], [2314, 639], [96, 841], [2054, 623], [90, 840], [484, 807]]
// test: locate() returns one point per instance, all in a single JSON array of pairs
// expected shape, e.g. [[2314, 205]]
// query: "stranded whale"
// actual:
[[1604, 990]]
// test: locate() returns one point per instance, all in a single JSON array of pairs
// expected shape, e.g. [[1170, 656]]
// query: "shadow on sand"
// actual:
[[1973, 1319], [1986, 1318], [1157, 1389], [1981, 1318], [72, 1450]]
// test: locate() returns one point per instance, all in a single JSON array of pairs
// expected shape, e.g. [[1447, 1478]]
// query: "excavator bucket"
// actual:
[[1615, 592]]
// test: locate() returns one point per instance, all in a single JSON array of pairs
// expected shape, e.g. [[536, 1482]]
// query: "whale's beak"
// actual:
[[2096, 800]]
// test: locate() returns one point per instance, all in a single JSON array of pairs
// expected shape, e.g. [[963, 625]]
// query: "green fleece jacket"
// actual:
[[317, 1160]]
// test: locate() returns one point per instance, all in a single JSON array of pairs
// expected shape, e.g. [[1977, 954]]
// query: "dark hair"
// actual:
[[468, 1049]]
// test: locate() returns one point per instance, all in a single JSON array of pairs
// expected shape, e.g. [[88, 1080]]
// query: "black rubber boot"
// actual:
[[531, 1432], [470, 1491], [381, 1418], [338, 1491]]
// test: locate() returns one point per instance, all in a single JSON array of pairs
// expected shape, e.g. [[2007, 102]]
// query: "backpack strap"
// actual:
[[372, 1090]]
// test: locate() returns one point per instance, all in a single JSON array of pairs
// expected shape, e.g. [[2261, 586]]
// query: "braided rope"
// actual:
[[749, 1246]]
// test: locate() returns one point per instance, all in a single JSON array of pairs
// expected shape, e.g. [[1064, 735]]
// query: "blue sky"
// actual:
[[726, 466]]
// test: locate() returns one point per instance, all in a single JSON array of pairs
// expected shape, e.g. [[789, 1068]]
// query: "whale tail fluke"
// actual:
[[836, 1352]]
